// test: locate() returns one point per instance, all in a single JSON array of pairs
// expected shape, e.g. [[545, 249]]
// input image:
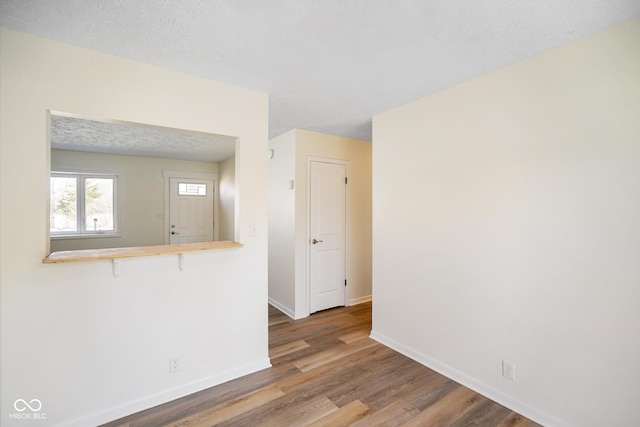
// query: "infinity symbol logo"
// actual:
[[21, 405]]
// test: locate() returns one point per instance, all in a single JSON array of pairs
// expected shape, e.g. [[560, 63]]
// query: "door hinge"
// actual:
[[345, 282], [345, 179]]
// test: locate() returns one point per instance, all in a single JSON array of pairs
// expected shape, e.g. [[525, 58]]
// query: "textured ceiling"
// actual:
[[73, 133], [328, 65]]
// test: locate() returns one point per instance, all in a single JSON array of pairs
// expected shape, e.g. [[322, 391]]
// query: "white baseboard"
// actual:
[[360, 300], [166, 396], [490, 392], [286, 310]]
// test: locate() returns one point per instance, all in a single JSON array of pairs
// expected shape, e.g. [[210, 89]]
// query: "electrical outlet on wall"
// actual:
[[174, 364], [509, 370]]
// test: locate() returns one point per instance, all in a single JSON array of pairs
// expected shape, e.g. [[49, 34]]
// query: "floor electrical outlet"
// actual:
[[174, 364], [509, 370]]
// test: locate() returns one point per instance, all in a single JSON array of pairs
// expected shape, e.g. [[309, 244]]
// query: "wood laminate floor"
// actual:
[[328, 372]]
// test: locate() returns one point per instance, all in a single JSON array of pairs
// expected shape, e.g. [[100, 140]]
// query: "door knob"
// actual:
[[314, 241], [174, 232]]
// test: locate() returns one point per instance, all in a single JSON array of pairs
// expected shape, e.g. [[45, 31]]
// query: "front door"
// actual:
[[190, 210], [327, 235]]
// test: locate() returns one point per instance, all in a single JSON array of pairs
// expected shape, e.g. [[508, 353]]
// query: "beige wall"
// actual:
[[506, 227], [288, 214], [92, 347], [141, 201], [227, 198]]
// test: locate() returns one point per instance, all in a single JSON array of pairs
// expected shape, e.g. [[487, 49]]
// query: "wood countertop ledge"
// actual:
[[139, 251]]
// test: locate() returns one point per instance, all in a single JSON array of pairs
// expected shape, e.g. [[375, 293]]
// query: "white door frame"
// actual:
[[167, 174], [307, 231]]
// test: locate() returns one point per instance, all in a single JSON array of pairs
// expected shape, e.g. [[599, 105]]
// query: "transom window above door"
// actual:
[[191, 189]]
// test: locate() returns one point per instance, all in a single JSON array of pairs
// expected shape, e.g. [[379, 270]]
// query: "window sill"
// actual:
[[84, 236], [134, 252]]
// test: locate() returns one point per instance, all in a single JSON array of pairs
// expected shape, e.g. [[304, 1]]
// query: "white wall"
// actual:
[[141, 197], [227, 198], [288, 242], [506, 227], [282, 223], [89, 346]]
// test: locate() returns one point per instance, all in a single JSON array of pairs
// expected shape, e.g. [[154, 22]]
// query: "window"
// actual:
[[187, 189], [83, 204]]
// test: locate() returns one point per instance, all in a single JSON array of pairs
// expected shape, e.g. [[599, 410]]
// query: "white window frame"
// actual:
[[80, 206]]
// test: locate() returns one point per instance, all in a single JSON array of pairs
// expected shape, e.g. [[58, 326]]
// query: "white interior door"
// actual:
[[190, 210], [327, 235]]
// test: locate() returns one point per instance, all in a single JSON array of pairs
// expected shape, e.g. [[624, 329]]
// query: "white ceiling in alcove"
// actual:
[[117, 137], [328, 65]]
